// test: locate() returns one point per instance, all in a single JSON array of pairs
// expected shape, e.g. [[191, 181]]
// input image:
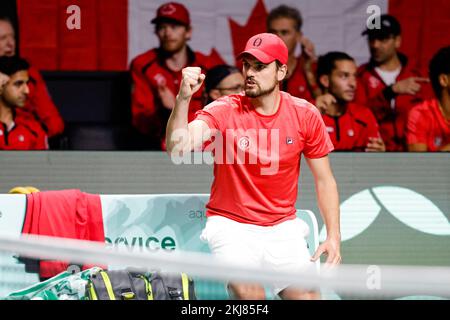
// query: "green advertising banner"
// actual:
[[136, 223]]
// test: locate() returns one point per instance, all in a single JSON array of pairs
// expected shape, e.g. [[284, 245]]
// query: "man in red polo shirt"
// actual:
[[156, 74], [388, 85], [286, 22], [429, 123], [251, 212], [19, 130], [39, 101], [352, 127]]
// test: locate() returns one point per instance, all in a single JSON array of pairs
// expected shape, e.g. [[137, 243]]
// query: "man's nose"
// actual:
[[376, 43], [26, 89], [352, 83], [250, 72]]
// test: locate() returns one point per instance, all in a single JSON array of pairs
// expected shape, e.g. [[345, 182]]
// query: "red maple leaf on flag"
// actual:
[[215, 58], [255, 24]]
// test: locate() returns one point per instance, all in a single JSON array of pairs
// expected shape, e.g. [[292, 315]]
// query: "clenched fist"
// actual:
[[192, 80]]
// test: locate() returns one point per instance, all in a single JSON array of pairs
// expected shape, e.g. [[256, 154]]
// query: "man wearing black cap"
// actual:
[[388, 85], [156, 74], [251, 213], [223, 80]]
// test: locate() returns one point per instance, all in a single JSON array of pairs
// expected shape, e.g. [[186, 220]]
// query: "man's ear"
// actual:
[[188, 33], [214, 94], [398, 42], [444, 80], [299, 36], [282, 72], [325, 81]]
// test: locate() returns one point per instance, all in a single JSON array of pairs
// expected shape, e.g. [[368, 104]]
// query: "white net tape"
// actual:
[[361, 280]]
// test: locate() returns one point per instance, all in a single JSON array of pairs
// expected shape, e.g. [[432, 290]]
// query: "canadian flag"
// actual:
[[108, 34]]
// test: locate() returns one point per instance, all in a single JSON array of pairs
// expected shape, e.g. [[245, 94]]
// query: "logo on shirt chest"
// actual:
[[1, 133], [351, 133], [374, 82], [160, 79], [289, 140], [244, 143], [21, 138], [330, 129]]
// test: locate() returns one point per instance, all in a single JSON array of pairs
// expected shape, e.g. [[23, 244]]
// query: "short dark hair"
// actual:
[[216, 74], [284, 11], [439, 64], [5, 18], [12, 65], [327, 63]]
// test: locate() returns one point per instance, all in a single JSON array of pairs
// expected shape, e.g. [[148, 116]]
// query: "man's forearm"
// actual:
[[177, 133], [328, 201]]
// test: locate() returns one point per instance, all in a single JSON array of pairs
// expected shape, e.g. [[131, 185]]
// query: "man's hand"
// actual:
[[324, 101], [409, 86], [308, 49], [191, 82], [375, 145], [3, 81], [332, 248], [166, 96]]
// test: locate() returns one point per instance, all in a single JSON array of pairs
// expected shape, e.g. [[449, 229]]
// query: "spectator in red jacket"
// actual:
[[19, 130], [351, 127], [156, 74], [429, 123], [286, 22], [389, 86], [39, 101]]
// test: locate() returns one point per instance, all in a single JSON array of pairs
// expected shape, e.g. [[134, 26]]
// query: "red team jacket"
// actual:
[[427, 125], [371, 93], [351, 131], [41, 104], [64, 214], [149, 71], [26, 134]]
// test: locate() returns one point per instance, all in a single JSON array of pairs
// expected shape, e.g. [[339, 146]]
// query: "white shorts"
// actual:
[[279, 248]]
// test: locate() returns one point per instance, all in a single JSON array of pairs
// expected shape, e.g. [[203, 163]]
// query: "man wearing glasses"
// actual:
[[222, 80]]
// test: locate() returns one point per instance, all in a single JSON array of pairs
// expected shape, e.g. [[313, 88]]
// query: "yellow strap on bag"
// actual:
[[92, 292], [108, 285], [185, 285], [148, 288]]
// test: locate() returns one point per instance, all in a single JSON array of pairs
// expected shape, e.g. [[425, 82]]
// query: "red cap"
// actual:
[[266, 47], [173, 11]]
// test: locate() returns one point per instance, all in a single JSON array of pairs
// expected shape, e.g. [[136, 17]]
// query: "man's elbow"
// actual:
[[176, 148]]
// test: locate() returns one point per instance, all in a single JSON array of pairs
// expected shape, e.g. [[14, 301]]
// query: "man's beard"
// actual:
[[257, 92], [171, 49]]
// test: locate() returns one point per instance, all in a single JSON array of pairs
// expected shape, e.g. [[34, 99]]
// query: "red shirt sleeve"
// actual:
[[40, 138], [416, 128], [215, 114], [317, 140], [373, 130], [142, 101], [42, 105]]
